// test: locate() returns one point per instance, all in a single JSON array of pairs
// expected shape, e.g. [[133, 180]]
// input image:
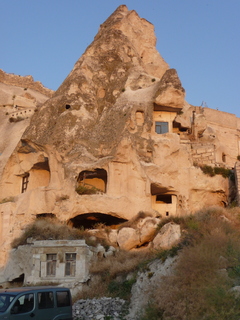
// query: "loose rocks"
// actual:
[[99, 309]]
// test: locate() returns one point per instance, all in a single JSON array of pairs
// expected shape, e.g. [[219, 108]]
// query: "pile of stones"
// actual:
[[99, 309]]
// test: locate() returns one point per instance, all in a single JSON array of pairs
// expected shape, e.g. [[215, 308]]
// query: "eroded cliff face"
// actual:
[[20, 97], [118, 127]]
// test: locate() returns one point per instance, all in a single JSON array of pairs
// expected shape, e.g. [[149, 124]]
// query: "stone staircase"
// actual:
[[237, 179]]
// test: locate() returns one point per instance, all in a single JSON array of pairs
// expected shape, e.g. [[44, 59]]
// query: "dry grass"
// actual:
[[122, 263], [51, 228], [115, 275], [207, 269]]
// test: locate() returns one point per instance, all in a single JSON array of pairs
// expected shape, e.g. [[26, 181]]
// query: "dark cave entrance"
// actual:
[[89, 220], [45, 215], [17, 282]]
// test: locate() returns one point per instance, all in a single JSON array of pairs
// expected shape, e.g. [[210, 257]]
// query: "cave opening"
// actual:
[[92, 180], [45, 215], [90, 220], [17, 282]]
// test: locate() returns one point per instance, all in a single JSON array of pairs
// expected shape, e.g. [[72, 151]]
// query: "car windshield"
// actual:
[[5, 300]]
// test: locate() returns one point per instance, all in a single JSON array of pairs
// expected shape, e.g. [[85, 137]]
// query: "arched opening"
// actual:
[[90, 220], [92, 181], [18, 282], [139, 118]]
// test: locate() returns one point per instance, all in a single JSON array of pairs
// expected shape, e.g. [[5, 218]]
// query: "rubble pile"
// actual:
[[99, 309]]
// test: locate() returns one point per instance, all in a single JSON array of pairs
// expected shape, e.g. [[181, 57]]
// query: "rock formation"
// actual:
[[116, 138], [26, 82]]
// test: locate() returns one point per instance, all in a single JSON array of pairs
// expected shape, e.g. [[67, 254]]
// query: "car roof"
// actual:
[[24, 289]]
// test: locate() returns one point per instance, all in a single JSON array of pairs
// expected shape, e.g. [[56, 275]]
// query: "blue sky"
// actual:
[[201, 39]]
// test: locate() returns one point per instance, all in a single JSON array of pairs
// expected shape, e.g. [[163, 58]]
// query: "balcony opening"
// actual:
[[92, 181]]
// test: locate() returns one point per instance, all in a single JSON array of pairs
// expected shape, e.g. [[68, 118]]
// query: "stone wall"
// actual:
[[203, 154]]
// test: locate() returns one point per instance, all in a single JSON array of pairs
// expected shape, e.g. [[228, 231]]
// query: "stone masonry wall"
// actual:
[[203, 154]]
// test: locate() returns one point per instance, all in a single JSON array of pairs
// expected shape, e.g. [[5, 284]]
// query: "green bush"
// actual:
[[223, 171], [121, 289], [208, 170], [212, 171], [164, 254], [87, 189]]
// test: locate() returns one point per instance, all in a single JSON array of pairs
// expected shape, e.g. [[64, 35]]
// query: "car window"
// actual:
[[23, 304], [5, 300], [63, 299], [45, 300]]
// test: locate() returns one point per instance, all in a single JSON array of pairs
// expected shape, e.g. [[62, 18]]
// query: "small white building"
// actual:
[[59, 261], [50, 261]]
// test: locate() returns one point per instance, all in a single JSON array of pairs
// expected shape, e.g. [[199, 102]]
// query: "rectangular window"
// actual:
[[164, 198], [70, 265], [45, 300], [161, 127], [51, 264], [63, 299], [25, 180]]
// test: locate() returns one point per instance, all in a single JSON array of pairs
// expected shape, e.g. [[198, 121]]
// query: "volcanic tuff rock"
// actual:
[[110, 73], [117, 138], [24, 82], [19, 98]]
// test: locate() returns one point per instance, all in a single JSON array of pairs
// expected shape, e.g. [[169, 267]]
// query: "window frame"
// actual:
[[70, 264], [25, 181], [163, 127], [51, 264], [63, 301]]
